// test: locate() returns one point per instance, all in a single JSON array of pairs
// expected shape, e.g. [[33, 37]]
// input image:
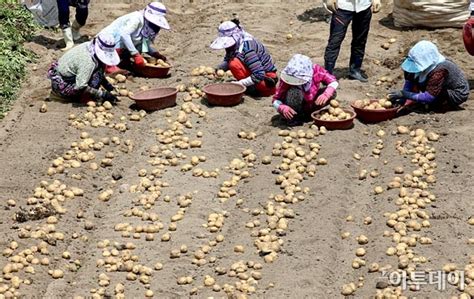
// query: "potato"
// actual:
[[266, 160], [402, 130], [56, 274], [239, 249], [360, 252], [334, 104], [120, 78], [378, 190], [220, 73], [44, 108]]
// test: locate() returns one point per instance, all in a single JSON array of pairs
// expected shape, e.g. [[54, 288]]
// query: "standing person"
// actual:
[[300, 92], [431, 79], [359, 12], [79, 73], [71, 32], [247, 58], [134, 34]]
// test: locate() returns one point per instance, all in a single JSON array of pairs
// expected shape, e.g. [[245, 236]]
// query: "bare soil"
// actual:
[[314, 261]]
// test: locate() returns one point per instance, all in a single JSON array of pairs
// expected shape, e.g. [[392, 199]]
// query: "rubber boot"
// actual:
[[356, 74], [67, 33], [76, 27]]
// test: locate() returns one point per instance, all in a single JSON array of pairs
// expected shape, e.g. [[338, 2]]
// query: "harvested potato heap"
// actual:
[[211, 73], [298, 154], [153, 62], [101, 116], [335, 112], [411, 216], [381, 104]]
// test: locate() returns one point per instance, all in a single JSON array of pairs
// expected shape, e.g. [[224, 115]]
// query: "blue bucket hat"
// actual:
[[422, 56]]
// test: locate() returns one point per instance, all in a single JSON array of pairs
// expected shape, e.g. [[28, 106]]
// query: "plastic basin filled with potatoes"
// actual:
[[154, 68], [374, 111], [334, 117]]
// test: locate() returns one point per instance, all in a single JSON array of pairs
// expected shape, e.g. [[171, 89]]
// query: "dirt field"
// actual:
[[301, 253]]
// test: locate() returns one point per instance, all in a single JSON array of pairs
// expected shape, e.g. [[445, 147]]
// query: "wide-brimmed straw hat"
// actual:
[[155, 13], [104, 47], [225, 37]]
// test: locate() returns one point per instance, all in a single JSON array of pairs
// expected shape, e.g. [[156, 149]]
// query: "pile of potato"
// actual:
[[334, 112], [153, 62], [381, 104], [210, 72]]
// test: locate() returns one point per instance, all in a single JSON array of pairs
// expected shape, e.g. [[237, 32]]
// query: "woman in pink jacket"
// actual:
[[300, 92]]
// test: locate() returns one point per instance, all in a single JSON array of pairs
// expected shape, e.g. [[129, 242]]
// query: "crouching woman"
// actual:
[[79, 73], [301, 89]]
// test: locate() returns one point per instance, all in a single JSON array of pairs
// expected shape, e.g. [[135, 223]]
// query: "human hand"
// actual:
[[157, 55], [331, 5], [138, 60], [395, 95], [286, 111], [376, 6], [107, 96], [322, 100]]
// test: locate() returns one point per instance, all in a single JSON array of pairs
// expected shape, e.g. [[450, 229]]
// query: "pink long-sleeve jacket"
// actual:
[[320, 75]]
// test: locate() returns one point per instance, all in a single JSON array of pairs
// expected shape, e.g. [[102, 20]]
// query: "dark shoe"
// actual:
[[356, 74]]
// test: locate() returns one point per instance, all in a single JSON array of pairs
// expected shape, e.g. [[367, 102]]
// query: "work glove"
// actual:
[[107, 96], [139, 60], [325, 96], [395, 95], [331, 5], [157, 55], [270, 82], [376, 6], [286, 111]]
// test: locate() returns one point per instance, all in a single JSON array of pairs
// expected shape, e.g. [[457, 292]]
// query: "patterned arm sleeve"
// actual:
[[252, 61]]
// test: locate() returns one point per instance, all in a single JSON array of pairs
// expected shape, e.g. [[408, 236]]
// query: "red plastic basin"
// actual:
[[153, 71], [334, 124], [155, 99], [224, 94], [374, 116]]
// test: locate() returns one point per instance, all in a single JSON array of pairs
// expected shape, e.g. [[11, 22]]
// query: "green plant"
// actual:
[[16, 26]]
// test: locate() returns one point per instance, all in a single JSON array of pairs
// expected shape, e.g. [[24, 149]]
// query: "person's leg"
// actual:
[[238, 69], [360, 32], [82, 12], [337, 32], [241, 71], [263, 89], [63, 13], [63, 16]]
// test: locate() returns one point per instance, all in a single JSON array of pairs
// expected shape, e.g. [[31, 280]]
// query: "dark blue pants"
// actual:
[[360, 30], [82, 11]]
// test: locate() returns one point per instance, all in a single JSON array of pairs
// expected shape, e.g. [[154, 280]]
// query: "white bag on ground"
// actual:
[[44, 11], [430, 13]]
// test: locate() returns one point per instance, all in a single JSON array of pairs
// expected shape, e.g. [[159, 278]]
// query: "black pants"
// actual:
[[360, 30], [82, 11]]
